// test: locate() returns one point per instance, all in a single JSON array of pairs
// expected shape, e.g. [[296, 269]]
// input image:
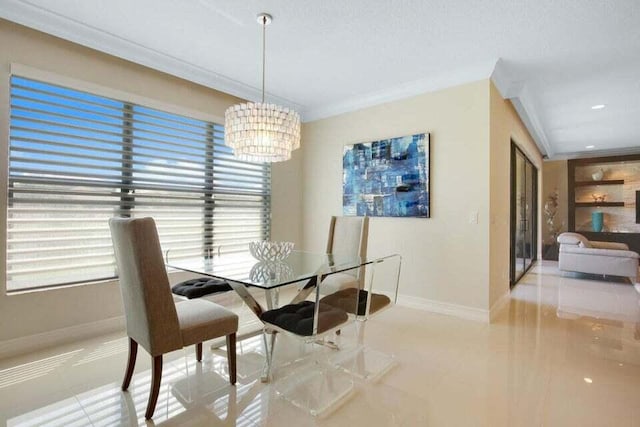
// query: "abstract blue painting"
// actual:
[[389, 177]]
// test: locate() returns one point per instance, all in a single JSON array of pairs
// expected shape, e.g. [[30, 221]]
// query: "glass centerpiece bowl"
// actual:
[[267, 250]]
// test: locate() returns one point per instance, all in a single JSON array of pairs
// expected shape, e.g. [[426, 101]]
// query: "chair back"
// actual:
[[150, 313], [348, 235]]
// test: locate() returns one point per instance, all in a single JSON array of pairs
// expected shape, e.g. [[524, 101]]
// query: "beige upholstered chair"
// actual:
[[153, 320], [347, 236]]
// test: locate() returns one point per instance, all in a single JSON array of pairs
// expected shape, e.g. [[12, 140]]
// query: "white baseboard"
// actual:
[[461, 311], [21, 345], [497, 306]]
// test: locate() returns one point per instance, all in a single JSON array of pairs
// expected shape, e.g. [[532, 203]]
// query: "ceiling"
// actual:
[[553, 59]]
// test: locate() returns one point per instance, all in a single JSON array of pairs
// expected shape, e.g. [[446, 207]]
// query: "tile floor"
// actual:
[[565, 352]]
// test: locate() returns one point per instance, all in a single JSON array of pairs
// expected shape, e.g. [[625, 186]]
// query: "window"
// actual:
[[77, 159]]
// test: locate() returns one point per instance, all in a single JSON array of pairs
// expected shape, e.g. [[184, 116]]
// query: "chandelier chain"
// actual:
[[264, 50]]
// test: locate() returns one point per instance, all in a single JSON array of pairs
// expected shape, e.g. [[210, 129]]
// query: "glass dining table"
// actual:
[[300, 270], [242, 271]]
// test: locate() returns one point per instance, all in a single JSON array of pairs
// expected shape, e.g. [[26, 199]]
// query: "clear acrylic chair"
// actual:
[[311, 383], [347, 236], [380, 293]]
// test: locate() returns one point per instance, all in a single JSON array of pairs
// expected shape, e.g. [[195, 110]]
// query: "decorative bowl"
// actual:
[[270, 251]]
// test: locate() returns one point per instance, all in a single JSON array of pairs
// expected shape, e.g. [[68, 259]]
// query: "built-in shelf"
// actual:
[[619, 189], [602, 182], [598, 204]]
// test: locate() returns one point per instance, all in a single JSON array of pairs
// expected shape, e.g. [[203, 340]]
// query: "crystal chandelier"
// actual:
[[261, 132]]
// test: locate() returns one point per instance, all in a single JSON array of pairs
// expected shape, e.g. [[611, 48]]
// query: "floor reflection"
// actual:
[[564, 351]]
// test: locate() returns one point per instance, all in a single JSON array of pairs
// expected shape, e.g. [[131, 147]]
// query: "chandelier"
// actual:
[[258, 131]]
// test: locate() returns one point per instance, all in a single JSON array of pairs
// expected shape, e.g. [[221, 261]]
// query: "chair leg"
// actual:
[[231, 357], [155, 387], [199, 352], [131, 364]]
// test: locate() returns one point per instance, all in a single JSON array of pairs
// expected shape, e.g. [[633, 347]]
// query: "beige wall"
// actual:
[[554, 177], [446, 257], [43, 311], [505, 126], [286, 200]]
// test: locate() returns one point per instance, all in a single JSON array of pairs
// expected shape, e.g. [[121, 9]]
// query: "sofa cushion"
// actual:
[[609, 245], [574, 239], [615, 253]]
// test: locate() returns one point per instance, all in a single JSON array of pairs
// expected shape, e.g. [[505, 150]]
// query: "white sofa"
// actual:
[[577, 253]]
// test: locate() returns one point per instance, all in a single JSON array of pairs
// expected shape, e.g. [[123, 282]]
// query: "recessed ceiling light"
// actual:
[[588, 380], [589, 147], [597, 107]]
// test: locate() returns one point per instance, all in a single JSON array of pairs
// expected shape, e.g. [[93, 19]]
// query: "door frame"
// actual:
[[513, 221]]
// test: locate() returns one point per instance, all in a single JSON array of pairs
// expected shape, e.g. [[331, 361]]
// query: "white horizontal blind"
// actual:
[[77, 159]]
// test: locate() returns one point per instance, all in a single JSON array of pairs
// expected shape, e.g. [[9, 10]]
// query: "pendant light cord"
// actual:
[[264, 27]]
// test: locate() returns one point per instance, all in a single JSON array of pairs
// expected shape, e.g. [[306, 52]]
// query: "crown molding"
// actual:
[[401, 91], [516, 91], [502, 79], [524, 107], [596, 153], [47, 21]]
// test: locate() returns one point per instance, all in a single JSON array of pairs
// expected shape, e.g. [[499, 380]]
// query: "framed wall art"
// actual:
[[389, 177]]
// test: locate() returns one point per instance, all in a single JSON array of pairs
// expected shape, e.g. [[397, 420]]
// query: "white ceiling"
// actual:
[[555, 59]]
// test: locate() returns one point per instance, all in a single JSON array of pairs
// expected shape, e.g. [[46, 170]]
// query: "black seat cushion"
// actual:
[[196, 288], [298, 318], [345, 299]]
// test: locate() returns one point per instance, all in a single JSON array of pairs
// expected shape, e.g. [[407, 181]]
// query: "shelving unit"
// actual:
[[630, 238], [610, 183], [598, 204], [602, 182]]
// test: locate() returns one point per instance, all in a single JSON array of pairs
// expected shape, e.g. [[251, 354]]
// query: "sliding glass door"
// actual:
[[524, 195]]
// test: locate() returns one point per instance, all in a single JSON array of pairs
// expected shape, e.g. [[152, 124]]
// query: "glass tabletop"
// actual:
[[243, 268]]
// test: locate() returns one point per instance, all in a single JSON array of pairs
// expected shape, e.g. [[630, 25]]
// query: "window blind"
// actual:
[[76, 159]]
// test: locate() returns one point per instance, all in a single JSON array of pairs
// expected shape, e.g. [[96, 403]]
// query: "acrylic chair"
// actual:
[[152, 318], [379, 294], [314, 386], [347, 236]]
